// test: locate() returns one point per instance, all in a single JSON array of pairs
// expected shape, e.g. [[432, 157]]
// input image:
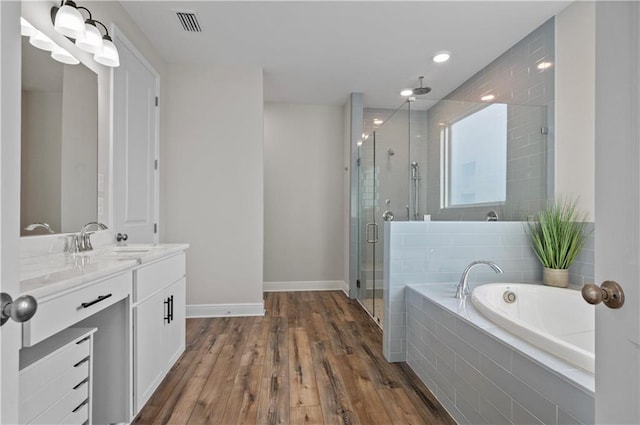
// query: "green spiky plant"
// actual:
[[558, 234]]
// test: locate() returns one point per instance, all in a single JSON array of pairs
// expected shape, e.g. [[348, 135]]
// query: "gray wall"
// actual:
[[303, 205], [515, 80], [212, 183]]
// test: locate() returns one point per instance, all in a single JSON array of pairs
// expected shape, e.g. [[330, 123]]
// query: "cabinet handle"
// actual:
[[80, 406], [171, 309], [97, 300], [84, 381], [83, 340], [86, 359], [167, 316]]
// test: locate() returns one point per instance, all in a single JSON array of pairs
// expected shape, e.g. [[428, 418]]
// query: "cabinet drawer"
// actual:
[[41, 373], [156, 276], [59, 313], [72, 402], [74, 379]]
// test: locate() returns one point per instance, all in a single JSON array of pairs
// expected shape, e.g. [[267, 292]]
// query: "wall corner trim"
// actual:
[[225, 310]]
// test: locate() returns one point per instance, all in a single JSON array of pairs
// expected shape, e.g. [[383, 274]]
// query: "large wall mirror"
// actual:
[[59, 177]]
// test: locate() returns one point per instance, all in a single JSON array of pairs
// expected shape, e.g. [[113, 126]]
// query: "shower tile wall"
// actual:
[[515, 79], [438, 252]]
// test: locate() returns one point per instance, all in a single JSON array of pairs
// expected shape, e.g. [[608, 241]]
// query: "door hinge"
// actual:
[[156, 100], [155, 227], [544, 130], [155, 164], [358, 162], [358, 283]]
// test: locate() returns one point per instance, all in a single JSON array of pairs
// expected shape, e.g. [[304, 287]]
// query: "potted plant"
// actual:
[[558, 234]]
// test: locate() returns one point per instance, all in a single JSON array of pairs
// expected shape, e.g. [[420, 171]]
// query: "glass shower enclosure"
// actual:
[[454, 160], [385, 156]]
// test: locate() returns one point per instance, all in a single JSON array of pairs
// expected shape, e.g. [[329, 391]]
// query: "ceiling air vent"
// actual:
[[189, 21]]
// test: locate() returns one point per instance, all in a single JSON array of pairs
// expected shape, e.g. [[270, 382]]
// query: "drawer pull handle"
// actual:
[[85, 339], [97, 300], [80, 406], [86, 359], [84, 381]]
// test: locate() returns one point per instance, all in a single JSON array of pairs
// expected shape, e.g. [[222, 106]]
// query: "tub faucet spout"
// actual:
[[462, 289]]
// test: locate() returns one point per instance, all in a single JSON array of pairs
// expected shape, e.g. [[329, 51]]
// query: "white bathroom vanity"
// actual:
[[110, 324]]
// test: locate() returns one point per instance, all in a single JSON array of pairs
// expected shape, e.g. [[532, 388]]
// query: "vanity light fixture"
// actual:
[[42, 42], [61, 55], [68, 20], [441, 57], [86, 34], [109, 54], [92, 40]]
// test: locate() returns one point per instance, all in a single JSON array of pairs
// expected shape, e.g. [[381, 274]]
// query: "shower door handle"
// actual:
[[373, 226]]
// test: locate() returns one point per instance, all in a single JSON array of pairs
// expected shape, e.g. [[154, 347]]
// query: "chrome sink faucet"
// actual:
[[82, 241], [34, 226], [462, 289]]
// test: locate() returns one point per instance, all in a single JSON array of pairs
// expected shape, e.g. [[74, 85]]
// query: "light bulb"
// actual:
[[441, 57]]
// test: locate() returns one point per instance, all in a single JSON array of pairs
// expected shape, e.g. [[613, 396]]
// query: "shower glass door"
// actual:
[[383, 196], [369, 267]]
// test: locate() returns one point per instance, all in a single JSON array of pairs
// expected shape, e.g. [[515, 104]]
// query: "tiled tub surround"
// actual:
[[438, 251], [485, 375]]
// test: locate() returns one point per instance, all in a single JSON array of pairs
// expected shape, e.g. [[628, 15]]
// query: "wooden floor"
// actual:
[[314, 358]]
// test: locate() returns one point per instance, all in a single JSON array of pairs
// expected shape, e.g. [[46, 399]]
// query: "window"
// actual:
[[475, 158]]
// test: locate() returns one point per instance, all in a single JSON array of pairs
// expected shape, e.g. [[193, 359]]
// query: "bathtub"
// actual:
[[556, 320]]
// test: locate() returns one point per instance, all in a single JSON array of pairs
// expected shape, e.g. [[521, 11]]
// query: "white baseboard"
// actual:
[[225, 310], [323, 285]]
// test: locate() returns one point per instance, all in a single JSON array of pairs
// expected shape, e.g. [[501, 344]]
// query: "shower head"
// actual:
[[421, 90]]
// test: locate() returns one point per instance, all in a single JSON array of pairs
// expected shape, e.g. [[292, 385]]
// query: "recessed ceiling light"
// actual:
[[441, 57], [406, 92], [377, 121], [544, 65], [487, 97]]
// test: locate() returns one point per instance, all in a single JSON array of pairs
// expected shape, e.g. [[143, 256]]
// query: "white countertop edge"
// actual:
[[55, 281]]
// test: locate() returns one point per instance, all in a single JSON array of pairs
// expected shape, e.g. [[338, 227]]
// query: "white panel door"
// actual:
[[10, 49], [135, 145], [618, 210]]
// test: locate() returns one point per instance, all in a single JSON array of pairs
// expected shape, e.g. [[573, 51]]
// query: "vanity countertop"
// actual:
[[48, 275]]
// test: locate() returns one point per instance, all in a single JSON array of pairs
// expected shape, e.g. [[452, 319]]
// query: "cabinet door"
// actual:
[[149, 367], [175, 330]]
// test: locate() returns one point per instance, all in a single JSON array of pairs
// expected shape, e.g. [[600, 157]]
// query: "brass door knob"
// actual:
[[610, 293]]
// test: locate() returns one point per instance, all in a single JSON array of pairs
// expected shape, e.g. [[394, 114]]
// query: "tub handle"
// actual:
[[610, 293]]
